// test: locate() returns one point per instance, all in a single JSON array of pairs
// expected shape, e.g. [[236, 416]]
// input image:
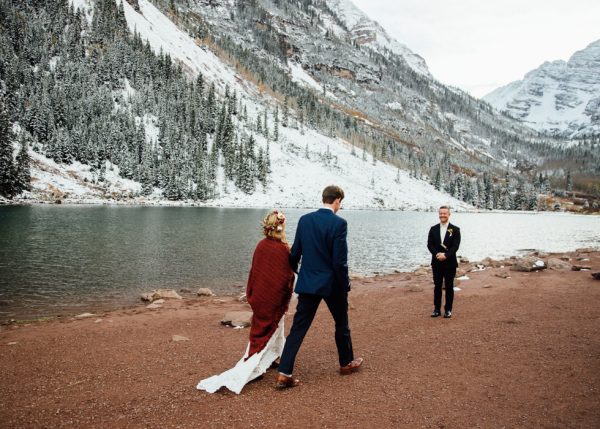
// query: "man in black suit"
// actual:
[[443, 243], [321, 244]]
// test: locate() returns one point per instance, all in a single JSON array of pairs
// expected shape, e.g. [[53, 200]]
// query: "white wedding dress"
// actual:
[[247, 370]]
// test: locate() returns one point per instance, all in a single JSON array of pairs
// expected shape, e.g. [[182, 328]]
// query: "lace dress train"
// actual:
[[247, 370]]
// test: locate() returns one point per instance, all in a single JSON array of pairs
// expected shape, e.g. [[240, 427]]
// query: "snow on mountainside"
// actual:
[[302, 161], [365, 31], [558, 97]]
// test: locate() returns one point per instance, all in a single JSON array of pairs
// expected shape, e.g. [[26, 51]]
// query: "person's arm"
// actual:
[[296, 251], [431, 243], [340, 255], [455, 243]]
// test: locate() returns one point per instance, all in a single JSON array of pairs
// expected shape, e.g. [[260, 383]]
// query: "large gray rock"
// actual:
[[558, 264], [204, 291], [580, 267], [528, 264], [237, 318]]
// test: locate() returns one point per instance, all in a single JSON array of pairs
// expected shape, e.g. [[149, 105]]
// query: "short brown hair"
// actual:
[[332, 193], [444, 207]]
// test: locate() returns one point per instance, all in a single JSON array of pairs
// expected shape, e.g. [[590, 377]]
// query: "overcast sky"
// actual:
[[479, 45]]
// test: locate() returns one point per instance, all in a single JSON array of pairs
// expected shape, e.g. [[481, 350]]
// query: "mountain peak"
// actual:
[[365, 31], [559, 97]]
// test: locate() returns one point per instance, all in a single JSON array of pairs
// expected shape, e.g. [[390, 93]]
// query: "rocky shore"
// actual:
[[522, 350]]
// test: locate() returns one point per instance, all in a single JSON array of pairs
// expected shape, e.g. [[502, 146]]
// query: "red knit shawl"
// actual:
[[269, 290]]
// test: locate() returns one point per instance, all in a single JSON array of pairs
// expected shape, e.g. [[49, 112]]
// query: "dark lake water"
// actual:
[[63, 259]]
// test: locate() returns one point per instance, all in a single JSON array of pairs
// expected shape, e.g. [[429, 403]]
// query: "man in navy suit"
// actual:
[[321, 244], [443, 242]]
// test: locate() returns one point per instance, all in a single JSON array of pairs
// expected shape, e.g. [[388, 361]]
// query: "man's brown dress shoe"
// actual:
[[351, 367], [283, 381]]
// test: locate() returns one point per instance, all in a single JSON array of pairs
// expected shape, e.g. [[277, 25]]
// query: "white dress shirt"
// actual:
[[443, 229]]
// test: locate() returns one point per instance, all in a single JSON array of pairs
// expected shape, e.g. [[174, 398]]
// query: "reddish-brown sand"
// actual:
[[519, 352]]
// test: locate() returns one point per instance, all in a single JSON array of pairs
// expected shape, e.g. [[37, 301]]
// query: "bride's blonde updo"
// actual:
[[273, 226]]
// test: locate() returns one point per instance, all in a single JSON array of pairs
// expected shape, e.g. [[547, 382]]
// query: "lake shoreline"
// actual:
[[186, 203], [465, 268], [521, 350]]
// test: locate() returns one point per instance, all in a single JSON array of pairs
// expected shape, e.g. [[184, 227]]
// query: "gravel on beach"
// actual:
[[520, 351]]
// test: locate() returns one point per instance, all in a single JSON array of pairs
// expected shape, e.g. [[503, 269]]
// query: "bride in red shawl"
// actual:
[[269, 290]]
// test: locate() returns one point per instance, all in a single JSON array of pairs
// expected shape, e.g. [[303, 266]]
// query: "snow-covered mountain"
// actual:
[[194, 100], [303, 161], [365, 31], [559, 97]]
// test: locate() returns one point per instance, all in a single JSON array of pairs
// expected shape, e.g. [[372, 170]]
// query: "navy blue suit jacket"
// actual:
[[321, 243]]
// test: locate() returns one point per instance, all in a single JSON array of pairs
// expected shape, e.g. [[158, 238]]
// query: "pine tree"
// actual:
[[276, 124], [437, 181], [284, 120], [266, 126], [569, 181], [7, 167], [23, 169]]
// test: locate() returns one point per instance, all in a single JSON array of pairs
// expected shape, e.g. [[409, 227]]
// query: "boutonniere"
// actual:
[[450, 230]]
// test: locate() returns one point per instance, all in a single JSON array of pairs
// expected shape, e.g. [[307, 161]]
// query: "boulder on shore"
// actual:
[[558, 264], [489, 262], [204, 291], [84, 315], [596, 275], [528, 264], [160, 294], [237, 319], [421, 271]]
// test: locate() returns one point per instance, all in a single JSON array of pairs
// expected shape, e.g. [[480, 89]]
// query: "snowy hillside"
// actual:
[[302, 160], [558, 97]]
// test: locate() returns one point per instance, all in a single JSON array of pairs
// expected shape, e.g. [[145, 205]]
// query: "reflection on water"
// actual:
[[58, 257]]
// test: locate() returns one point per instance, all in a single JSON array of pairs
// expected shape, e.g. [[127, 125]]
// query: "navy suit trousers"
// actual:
[[305, 313]]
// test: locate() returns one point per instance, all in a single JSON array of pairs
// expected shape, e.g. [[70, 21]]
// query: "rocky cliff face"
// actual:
[[335, 49], [559, 97]]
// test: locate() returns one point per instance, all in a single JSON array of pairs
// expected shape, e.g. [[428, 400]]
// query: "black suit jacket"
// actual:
[[449, 246]]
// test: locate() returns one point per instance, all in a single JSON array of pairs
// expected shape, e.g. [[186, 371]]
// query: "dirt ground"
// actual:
[[520, 352]]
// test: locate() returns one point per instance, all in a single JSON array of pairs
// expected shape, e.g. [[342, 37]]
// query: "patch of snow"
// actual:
[[86, 6], [299, 75]]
